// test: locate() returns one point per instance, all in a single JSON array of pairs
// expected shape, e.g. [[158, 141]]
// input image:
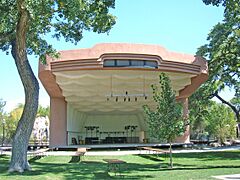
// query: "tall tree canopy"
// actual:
[[24, 24], [223, 53]]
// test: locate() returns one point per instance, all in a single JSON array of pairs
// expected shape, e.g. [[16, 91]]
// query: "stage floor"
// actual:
[[129, 145]]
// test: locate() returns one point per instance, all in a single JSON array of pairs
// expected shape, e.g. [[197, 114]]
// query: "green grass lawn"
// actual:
[[186, 166]]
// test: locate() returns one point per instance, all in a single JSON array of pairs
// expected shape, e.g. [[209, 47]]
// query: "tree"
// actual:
[[236, 102], [221, 126], [2, 116], [12, 120], [166, 121], [199, 121], [2, 104], [213, 119], [223, 52], [23, 27], [43, 112]]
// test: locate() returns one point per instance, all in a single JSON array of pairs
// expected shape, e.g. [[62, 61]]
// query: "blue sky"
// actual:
[[180, 26]]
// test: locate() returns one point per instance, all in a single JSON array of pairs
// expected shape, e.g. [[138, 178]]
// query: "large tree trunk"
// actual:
[[19, 160]]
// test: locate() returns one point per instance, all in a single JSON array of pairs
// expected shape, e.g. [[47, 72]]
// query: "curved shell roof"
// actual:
[[80, 77]]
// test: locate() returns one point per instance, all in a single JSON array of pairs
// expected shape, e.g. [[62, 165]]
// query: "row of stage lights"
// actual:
[[126, 97]]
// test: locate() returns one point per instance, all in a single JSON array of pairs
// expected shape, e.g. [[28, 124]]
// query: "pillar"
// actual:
[[185, 138], [58, 122]]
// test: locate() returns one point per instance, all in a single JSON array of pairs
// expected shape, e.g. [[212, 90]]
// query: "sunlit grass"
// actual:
[[186, 166]]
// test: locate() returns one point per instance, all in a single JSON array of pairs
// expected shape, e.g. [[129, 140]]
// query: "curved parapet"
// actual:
[[91, 60]]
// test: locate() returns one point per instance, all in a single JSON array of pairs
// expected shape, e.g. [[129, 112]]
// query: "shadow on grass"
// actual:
[[75, 159], [83, 170], [189, 167], [35, 158], [105, 175], [4, 160], [204, 156], [150, 157], [102, 175]]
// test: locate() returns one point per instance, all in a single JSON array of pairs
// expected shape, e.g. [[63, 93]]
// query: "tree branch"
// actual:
[[236, 111], [21, 30]]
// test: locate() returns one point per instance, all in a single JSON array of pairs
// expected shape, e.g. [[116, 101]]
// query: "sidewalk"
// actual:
[[228, 177], [111, 153], [127, 152]]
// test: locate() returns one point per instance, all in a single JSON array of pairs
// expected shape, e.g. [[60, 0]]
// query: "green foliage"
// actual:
[[62, 18], [213, 119], [223, 54], [231, 6], [236, 102], [17, 112], [43, 111], [2, 104], [223, 49], [214, 2], [166, 122], [12, 120], [2, 115], [198, 111], [221, 122]]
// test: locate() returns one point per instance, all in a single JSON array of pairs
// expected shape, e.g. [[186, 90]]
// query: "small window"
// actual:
[[122, 63], [137, 63], [130, 63], [152, 64], [109, 63]]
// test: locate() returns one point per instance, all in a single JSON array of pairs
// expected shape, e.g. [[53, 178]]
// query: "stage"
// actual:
[[120, 146]]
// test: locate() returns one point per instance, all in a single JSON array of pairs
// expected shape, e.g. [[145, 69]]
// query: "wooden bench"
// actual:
[[81, 152], [155, 150], [38, 152], [114, 165], [77, 156]]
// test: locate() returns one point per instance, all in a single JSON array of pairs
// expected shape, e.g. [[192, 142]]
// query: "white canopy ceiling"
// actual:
[[89, 91]]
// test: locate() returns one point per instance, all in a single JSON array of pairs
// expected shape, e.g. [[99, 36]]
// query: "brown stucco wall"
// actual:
[[58, 122]]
